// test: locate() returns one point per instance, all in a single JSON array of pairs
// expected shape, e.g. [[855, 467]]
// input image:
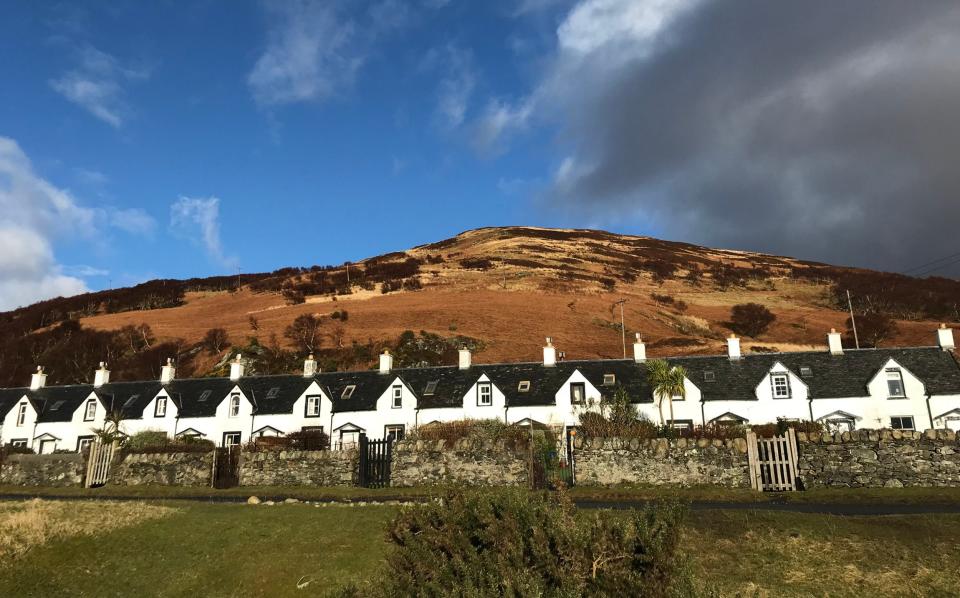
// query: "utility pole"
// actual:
[[853, 321], [347, 264], [238, 278], [623, 328]]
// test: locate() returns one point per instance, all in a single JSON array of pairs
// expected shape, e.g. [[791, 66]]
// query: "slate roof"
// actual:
[[369, 385], [9, 398], [274, 394], [131, 398], [199, 397]]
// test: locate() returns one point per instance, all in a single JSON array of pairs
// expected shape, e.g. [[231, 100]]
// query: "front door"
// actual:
[[47, 446]]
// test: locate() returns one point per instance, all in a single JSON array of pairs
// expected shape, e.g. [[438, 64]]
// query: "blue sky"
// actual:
[[142, 140]]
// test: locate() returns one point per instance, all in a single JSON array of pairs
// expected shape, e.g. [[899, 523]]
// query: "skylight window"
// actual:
[[431, 388], [524, 386], [56, 406], [348, 391], [273, 392], [609, 379], [129, 402], [205, 395], [709, 377], [806, 372]]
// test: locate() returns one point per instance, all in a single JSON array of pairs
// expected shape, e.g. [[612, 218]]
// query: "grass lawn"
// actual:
[[340, 493], [204, 549]]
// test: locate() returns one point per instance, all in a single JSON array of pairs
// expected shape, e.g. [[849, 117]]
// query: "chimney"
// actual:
[[386, 362], [549, 354], [101, 376], [466, 359], [733, 347], [236, 368], [834, 342], [945, 338], [38, 380], [168, 372], [309, 367], [639, 350]]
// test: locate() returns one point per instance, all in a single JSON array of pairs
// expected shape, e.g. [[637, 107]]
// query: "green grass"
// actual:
[[873, 496], [206, 549], [340, 493]]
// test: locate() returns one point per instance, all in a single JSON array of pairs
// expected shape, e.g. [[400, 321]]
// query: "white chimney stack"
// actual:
[[639, 350], [945, 338], [834, 342], [236, 368], [549, 354], [168, 372], [733, 347], [101, 376], [309, 366], [466, 359], [386, 362], [38, 380]]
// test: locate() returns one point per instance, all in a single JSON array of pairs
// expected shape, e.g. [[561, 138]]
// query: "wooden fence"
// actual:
[[773, 462]]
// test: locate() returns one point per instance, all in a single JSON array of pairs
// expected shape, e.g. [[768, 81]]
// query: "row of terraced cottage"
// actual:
[[899, 388]]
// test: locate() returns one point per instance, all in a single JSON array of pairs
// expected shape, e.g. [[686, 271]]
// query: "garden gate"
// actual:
[[98, 463], [226, 467], [552, 463], [373, 464], [773, 462]]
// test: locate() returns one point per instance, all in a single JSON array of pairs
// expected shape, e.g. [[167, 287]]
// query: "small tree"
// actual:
[[305, 332], [254, 323], [873, 329], [750, 319], [667, 382], [215, 340]]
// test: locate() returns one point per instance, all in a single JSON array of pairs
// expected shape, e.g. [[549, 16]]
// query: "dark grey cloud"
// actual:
[[825, 130]]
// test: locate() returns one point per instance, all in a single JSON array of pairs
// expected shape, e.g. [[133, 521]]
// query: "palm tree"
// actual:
[[667, 382]]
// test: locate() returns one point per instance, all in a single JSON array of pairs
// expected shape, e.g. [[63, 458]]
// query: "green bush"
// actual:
[[514, 543], [473, 429], [146, 438]]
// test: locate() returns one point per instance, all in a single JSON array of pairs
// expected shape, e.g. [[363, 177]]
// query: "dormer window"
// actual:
[[313, 406], [234, 406], [160, 409], [348, 391], [22, 413], [90, 411], [484, 394], [431, 388], [709, 376], [895, 383], [609, 379], [524, 386], [397, 397], [578, 393], [780, 383]]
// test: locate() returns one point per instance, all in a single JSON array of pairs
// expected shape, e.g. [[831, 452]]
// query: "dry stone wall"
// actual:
[[162, 469], [297, 468], [466, 462], [661, 462], [43, 470], [879, 458]]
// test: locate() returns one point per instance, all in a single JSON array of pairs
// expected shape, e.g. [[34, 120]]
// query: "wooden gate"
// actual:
[[773, 462], [552, 462], [373, 464], [98, 463], [226, 467]]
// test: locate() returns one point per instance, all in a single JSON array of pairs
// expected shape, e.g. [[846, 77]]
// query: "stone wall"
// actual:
[[297, 468], [681, 462], [43, 470], [162, 469], [879, 458], [469, 462]]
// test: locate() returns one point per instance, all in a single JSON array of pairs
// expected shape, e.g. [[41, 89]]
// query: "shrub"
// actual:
[[184, 444], [666, 299], [513, 543], [215, 340], [474, 429], [780, 428], [412, 284], [147, 438], [750, 319], [872, 329]]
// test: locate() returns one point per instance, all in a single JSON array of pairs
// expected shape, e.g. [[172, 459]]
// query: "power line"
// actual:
[[940, 267], [930, 263]]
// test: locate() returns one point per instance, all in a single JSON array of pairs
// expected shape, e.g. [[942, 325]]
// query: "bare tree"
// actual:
[[305, 332], [215, 340]]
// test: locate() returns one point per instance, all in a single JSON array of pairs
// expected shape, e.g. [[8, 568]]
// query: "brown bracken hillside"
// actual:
[[504, 289]]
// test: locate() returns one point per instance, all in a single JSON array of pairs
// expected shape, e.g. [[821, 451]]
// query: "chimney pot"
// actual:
[[309, 366], [549, 354], [945, 338], [236, 368], [168, 372], [38, 380], [733, 347], [101, 376], [386, 362], [639, 350], [834, 342], [466, 358]]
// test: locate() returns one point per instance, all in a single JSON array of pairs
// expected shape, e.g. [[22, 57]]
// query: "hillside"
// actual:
[[503, 289]]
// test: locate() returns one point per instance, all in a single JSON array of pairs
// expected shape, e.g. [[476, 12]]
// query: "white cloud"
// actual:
[[97, 85], [593, 24], [457, 85], [194, 217], [133, 221]]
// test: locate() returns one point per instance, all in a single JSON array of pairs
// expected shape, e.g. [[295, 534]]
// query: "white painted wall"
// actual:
[[214, 427], [297, 420], [9, 430], [148, 421], [69, 431], [767, 409], [374, 422]]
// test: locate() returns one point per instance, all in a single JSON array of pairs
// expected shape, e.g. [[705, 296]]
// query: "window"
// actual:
[[313, 406], [234, 406], [90, 413], [130, 402], [806, 372], [205, 395], [393, 432], [578, 393], [397, 397], [19, 442], [484, 394], [57, 405], [781, 386], [901, 422], [160, 409], [231, 438], [682, 425], [840, 424], [348, 391], [83, 443], [273, 393], [431, 388], [21, 414], [524, 386], [709, 376], [609, 379], [895, 383]]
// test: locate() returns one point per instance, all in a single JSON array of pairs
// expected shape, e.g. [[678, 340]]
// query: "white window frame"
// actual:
[[397, 397], [87, 416], [19, 442], [84, 442], [160, 409], [583, 395], [913, 423], [394, 428], [227, 435], [609, 379], [776, 389], [523, 386], [233, 410], [348, 391], [312, 408], [22, 414], [895, 375], [484, 394]]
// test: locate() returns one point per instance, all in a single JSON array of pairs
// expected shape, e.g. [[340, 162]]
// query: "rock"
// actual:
[[291, 501], [893, 483], [253, 500], [268, 503]]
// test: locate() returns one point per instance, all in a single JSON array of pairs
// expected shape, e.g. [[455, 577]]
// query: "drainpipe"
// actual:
[[810, 404], [703, 414], [331, 425], [930, 414]]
